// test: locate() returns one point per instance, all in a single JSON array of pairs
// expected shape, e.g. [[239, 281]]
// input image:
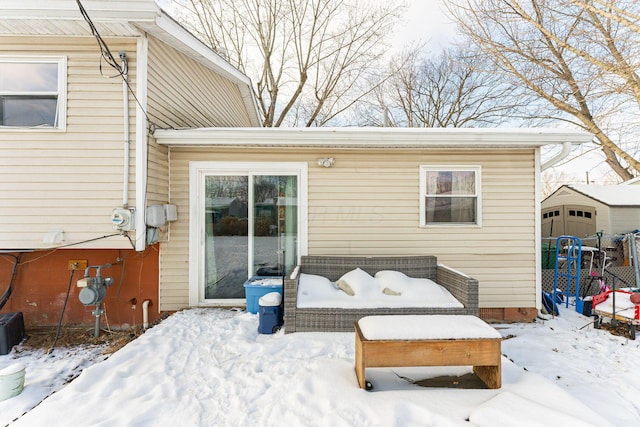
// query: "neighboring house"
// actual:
[[468, 196], [582, 210], [78, 163]]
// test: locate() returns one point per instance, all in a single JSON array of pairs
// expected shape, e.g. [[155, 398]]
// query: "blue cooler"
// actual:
[[258, 286], [270, 313]]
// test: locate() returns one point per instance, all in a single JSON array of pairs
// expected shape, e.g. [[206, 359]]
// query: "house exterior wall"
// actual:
[[182, 93], [72, 179], [185, 94], [68, 179], [43, 278], [368, 204]]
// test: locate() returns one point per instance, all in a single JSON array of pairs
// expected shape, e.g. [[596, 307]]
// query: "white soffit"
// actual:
[[370, 137]]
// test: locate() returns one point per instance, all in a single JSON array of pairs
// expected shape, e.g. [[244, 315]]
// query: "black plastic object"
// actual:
[[11, 331]]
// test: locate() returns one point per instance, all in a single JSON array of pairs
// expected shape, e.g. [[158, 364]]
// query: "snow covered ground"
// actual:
[[205, 367]]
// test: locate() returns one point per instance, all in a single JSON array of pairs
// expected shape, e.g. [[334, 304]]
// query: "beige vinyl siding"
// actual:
[[176, 98], [157, 173], [368, 204], [624, 219], [184, 93], [69, 179]]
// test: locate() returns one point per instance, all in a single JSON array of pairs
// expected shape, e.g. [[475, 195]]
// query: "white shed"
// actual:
[[582, 209]]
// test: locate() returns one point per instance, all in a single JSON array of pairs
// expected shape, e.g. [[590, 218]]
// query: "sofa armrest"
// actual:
[[461, 286], [291, 283]]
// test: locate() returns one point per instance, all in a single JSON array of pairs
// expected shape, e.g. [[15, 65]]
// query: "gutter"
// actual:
[[564, 153], [371, 137]]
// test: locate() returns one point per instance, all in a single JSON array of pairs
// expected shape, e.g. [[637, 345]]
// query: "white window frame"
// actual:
[[450, 168], [198, 171], [61, 113]]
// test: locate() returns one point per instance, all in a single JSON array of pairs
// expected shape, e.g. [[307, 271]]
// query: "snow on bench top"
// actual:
[[425, 327], [623, 308]]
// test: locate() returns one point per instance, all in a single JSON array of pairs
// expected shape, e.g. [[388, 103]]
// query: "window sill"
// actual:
[[30, 129]]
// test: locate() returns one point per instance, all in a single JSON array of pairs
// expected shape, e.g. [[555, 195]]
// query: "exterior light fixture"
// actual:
[[326, 162]]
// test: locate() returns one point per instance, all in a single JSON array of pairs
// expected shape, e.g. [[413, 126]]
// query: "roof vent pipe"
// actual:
[[125, 99], [566, 150]]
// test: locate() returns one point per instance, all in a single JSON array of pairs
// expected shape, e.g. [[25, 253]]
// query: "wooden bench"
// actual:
[[428, 340]]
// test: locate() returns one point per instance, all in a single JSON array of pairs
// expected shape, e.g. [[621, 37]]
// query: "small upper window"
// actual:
[[450, 195], [32, 92]]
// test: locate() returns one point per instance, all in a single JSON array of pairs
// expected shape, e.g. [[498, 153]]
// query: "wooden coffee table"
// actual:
[[428, 340]]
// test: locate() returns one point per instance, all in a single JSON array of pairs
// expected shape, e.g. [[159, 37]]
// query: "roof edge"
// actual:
[[372, 137]]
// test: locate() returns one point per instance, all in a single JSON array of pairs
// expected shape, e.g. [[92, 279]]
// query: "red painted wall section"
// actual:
[[42, 279]]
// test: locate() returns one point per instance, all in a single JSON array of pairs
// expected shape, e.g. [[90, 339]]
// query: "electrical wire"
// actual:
[[7, 293], [88, 240], [104, 49], [64, 306], [111, 61]]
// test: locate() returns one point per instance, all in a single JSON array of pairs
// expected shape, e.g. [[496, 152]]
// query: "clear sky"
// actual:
[[425, 21]]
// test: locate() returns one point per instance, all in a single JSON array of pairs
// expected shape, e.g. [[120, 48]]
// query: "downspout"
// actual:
[[564, 153], [127, 142], [141, 141]]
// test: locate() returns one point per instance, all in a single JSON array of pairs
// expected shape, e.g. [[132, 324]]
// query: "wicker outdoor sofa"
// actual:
[[296, 319]]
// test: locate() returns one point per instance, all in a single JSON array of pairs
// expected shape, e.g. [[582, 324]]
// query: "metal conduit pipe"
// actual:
[[145, 313], [127, 142]]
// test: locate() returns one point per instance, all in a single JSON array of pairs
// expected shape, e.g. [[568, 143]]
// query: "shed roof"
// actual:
[[632, 181], [610, 195]]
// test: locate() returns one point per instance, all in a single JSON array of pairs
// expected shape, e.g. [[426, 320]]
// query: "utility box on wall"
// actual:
[[159, 215]]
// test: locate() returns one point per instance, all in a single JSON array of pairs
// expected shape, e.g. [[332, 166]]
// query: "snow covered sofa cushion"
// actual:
[[369, 292]]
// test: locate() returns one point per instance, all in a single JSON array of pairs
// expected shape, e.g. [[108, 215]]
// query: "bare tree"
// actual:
[[450, 89], [310, 59], [454, 90], [578, 56]]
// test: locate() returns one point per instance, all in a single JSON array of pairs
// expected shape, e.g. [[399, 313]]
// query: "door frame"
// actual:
[[197, 174]]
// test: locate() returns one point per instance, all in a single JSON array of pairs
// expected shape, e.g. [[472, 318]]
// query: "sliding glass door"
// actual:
[[275, 224], [226, 235], [251, 228]]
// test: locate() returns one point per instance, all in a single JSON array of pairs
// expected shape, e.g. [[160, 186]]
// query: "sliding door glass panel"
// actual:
[[275, 227], [226, 236]]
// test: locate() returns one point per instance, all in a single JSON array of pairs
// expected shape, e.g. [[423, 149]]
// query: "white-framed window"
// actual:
[[33, 92], [450, 196]]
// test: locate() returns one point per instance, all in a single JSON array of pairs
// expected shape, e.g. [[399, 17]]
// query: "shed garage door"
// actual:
[[569, 220]]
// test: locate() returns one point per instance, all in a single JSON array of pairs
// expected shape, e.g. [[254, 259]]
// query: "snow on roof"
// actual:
[[632, 181], [612, 195]]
